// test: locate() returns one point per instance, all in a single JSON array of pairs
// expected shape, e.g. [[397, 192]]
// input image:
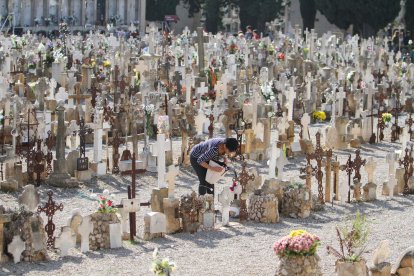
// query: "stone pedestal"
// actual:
[[370, 192], [274, 187], [157, 199], [83, 175], [299, 266], [171, 207], [154, 225], [100, 236], [263, 208], [98, 168], [297, 202]]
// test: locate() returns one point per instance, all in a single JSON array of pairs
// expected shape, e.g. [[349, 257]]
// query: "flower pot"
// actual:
[[351, 268], [299, 266]]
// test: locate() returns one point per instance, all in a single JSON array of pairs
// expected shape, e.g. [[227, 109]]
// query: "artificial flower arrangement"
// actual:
[[297, 243], [281, 56], [350, 76], [162, 267], [386, 117], [319, 115], [106, 64], [267, 92], [232, 48], [105, 204]]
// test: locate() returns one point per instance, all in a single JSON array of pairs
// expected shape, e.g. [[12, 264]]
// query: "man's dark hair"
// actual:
[[232, 144]]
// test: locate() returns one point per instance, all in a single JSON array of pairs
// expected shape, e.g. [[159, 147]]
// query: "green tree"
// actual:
[[157, 9], [308, 13], [256, 13], [366, 16], [214, 15], [408, 18]]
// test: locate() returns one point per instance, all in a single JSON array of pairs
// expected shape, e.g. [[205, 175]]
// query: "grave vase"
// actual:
[[299, 266], [351, 268]]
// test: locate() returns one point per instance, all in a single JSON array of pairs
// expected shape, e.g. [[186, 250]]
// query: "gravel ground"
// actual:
[[235, 250]]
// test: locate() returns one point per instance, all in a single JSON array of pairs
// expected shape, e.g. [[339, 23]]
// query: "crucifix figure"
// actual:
[[243, 178], [82, 163], [318, 155], [406, 162], [409, 122], [115, 143], [50, 209]]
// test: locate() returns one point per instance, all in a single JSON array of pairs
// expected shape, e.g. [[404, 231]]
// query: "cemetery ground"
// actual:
[[238, 249]]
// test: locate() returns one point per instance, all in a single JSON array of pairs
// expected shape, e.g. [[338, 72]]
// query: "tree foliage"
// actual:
[[157, 9], [366, 16], [409, 19], [308, 13], [257, 13]]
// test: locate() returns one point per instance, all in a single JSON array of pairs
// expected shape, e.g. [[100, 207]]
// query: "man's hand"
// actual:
[[217, 169]]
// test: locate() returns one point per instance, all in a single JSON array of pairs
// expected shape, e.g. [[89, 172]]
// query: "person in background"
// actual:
[[256, 35], [211, 150], [249, 33]]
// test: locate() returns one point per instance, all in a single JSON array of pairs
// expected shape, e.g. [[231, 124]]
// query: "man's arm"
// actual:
[[207, 156]]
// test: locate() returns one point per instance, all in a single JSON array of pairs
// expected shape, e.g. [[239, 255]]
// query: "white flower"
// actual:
[[105, 192], [410, 42], [272, 98]]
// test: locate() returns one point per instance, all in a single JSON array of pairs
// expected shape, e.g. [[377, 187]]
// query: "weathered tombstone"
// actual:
[[84, 229], [16, 247], [29, 199], [66, 240]]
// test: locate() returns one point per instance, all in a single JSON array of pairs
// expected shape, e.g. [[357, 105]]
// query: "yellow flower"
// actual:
[[295, 233], [319, 115], [106, 63]]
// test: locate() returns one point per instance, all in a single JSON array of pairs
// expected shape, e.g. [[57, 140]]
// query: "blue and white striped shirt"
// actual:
[[208, 150]]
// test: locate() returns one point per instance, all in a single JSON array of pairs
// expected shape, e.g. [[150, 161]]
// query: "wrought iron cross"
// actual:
[[50, 209], [243, 178], [318, 156], [115, 143]]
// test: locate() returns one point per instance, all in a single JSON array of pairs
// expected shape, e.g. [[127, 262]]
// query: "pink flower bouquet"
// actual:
[[297, 243]]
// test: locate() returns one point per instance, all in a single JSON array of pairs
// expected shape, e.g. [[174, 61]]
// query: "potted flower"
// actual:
[[297, 254], [352, 242], [163, 267], [386, 117], [319, 116]]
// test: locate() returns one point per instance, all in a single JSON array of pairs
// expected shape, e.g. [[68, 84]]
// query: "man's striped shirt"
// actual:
[[208, 150]]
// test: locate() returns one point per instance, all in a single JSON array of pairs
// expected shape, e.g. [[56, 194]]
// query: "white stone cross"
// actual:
[[341, 96], [225, 198], [84, 229], [16, 247], [188, 81], [115, 235], [291, 95], [272, 161], [280, 164], [356, 131], [66, 240], [370, 169], [308, 80], [305, 120], [203, 89], [390, 159], [392, 182]]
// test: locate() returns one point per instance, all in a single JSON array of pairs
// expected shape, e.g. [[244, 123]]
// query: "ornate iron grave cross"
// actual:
[[409, 122], [50, 142], [406, 162], [115, 143], [318, 156], [381, 124], [82, 163], [38, 158], [50, 209], [353, 166], [395, 134], [243, 178]]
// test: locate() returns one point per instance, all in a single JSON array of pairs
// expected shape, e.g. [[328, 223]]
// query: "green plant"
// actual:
[[162, 267], [352, 238]]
